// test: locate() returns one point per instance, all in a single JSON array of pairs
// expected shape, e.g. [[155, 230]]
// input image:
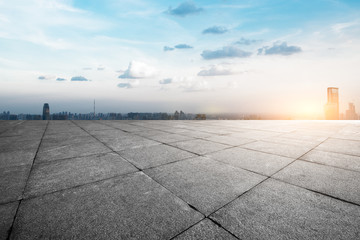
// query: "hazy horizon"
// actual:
[[221, 56]]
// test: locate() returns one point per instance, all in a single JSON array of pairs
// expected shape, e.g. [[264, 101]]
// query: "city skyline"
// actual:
[[198, 56]]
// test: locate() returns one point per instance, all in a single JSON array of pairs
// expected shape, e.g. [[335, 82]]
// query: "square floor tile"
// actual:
[[341, 146], [62, 174], [204, 183], [199, 146], [278, 149], [129, 206], [255, 161], [276, 210], [340, 183], [334, 159], [7, 213], [156, 155]]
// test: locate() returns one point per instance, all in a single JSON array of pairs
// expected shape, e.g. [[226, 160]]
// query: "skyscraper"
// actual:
[[351, 113], [46, 112], [332, 105]]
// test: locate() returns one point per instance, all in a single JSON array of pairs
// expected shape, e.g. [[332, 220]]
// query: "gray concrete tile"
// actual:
[[169, 137], [13, 181], [332, 181], [80, 149], [255, 161], [17, 143], [276, 210], [285, 150], [58, 175], [91, 125], [126, 142], [206, 230], [334, 159], [7, 213], [155, 155], [199, 146], [230, 140], [341, 146], [63, 139], [17, 157], [132, 206], [196, 134], [204, 183], [125, 127]]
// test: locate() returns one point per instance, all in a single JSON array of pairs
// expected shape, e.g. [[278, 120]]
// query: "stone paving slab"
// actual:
[[262, 163], [204, 183], [290, 151], [17, 157], [62, 174], [334, 159], [126, 207], [332, 181], [80, 149], [350, 147], [17, 143], [127, 141], [229, 140], [206, 230], [13, 181], [199, 146], [276, 210], [156, 155], [169, 137], [7, 215]]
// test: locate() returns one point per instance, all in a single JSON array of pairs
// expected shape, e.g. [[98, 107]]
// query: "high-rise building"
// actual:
[[350, 113], [332, 105], [46, 112]]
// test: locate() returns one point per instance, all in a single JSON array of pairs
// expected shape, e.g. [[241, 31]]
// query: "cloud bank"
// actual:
[[215, 30], [279, 49], [225, 52], [184, 9]]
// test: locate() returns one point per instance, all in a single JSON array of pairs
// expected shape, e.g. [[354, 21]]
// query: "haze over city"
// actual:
[[268, 57]]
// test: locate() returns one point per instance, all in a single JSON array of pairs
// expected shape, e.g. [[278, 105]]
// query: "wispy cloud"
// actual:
[[138, 70], [167, 48], [184, 9], [215, 30], [79, 79], [60, 79], [246, 41], [216, 70], [182, 46], [46, 77], [279, 49], [166, 81], [124, 85], [225, 52]]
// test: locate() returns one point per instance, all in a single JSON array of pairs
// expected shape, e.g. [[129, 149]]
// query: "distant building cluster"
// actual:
[[332, 107]]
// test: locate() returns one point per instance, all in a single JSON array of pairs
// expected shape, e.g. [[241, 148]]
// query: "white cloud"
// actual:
[[139, 70], [217, 70]]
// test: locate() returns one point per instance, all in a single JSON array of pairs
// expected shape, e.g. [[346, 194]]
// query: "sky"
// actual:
[[213, 56]]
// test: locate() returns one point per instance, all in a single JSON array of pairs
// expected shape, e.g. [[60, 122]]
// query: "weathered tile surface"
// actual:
[[155, 155], [131, 206], [199, 146], [206, 230], [70, 182], [255, 161], [276, 210], [333, 181], [204, 183], [62, 174], [7, 215]]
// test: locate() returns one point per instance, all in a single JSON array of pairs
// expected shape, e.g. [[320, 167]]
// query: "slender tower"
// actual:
[[46, 112], [332, 105]]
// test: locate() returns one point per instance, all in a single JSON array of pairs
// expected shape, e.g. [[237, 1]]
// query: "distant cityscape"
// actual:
[[331, 112]]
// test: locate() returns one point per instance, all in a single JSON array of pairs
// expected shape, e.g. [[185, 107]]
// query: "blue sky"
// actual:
[[252, 56]]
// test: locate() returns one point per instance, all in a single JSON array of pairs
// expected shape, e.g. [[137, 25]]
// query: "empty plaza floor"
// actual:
[[179, 179]]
